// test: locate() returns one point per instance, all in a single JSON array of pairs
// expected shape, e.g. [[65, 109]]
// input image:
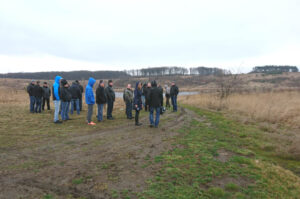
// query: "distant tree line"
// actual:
[[72, 75], [169, 71], [273, 69]]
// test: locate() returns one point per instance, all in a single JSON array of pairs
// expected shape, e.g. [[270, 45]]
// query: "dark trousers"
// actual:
[[137, 113], [174, 102], [48, 103], [32, 102], [38, 104], [129, 109], [80, 103], [110, 107], [168, 101], [89, 113]]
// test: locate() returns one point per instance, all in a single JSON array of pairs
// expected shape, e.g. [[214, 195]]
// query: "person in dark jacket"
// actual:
[[162, 91], [147, 93], [143, 94], [100, 100], [76, 94], [65, 96], [81, 91], [38, 93], [46, 96], [110, 94], [174, 92], [128, 99], [56, 98], [155, 102], [138, 105], [31, 96], [90, 100]]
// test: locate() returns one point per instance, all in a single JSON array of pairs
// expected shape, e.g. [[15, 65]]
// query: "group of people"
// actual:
[[38, 96], [148, 96]]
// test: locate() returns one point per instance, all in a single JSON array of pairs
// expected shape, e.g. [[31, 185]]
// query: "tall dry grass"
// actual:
[[273, 107]]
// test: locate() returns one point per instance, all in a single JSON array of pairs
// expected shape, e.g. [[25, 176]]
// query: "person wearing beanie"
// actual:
[[100, 100], [173, 93], [38, 94], [66, 97], [110, 94], [90, 100]]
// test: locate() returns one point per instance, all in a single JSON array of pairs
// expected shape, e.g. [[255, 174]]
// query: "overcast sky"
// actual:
[[68, 35]]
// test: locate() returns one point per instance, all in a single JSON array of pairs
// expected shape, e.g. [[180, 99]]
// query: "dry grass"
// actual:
[[279, 107]]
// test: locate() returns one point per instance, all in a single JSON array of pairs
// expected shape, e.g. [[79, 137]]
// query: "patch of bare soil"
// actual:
[[224, 155], [91, 165], [223, 181]]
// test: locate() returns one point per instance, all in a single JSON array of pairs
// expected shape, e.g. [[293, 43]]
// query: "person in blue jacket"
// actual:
[[56, 98], [138, 104], [90, 100]]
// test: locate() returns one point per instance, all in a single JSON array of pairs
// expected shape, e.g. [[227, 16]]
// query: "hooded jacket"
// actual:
[[128, 95], [137, 96], [65, 93], [89, 94], [55, 88], [156, 96]]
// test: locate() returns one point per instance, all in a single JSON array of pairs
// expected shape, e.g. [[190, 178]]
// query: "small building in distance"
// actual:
[[271, 69]]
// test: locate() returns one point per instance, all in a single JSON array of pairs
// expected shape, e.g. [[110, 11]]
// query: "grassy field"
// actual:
[[206, 150]]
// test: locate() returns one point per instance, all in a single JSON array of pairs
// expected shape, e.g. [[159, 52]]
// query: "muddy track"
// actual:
[[94, 164]]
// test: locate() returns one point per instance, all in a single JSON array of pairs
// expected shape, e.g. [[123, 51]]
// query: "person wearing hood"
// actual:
[[155, 102], [128, 99], [56, 98], [65, 96], [174, 92], [31, 97], [76, 93], [90, 100], [167, 88], [100, 100], [110, 94], [138, 105]]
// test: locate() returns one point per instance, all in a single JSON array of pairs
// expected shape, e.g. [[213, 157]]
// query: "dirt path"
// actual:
[[92, 165]]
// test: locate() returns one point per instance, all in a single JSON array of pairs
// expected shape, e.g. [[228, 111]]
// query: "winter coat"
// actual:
[[155, 97], [38, 91], [110, 93], [55, 88], [128, 95], [89, 94], [174, 91], [75, 91], [65, 93], [100, 95], [47, 92], [30, 89], [147, 94], [167, 88], [137, 97]]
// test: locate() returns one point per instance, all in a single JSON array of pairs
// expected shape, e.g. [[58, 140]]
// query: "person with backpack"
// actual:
[[46, 96], [76, 93], [100, 100], [110, 94], [31, 96], [66, 97], [155, 102], [90, 100], [167, 88], [128, 99], [56, 98], [173, 93], [138, 105], [38, 93]]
